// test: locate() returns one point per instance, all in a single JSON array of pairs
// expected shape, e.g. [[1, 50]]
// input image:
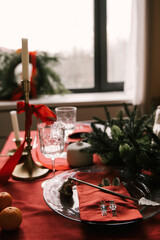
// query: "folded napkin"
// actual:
[[60, 162], [78, 132], [37, 156], [90, 200]]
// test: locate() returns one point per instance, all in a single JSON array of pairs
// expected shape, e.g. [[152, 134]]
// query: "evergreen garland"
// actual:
[[130, 143], [47, 81]]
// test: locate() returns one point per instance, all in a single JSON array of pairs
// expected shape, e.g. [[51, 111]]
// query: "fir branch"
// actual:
[[120, 119], [126, 110], [153, 135], [133, 114], [108, 117], [100, 121], [138, 128], [132, 143]]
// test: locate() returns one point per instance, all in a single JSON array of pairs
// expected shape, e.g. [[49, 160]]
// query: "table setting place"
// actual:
[[82, 185], [113, 206], [85, 190]]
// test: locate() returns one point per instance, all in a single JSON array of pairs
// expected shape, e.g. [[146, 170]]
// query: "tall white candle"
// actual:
[[15, 124], [25, 59]]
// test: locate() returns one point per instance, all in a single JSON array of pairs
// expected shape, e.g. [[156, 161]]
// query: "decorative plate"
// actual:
[[69, 206]]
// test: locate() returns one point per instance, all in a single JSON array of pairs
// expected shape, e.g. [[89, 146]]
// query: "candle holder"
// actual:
[[17, 143], [28, 170]]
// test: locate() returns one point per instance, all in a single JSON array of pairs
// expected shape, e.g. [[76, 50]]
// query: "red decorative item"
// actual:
[[40, 111]]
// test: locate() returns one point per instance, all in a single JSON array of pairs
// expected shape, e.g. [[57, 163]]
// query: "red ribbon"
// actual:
[[17, 93], [40, 111]]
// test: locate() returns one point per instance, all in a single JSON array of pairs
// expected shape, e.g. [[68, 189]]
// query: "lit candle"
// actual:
[[15, 124], [25, 59]]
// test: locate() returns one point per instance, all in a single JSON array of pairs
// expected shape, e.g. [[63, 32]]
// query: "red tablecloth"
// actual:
[[40, 222]]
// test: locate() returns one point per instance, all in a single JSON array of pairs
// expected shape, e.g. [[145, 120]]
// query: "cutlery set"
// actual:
[[112, 205], [66, 189]]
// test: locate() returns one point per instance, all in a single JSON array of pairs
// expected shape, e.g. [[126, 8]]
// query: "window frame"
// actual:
[[100, 53]]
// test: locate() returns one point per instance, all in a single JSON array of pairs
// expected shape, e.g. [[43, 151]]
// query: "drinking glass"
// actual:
[[51, 140], [67, 115]]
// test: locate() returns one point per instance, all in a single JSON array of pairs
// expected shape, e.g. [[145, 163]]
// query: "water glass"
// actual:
[[67, 115]]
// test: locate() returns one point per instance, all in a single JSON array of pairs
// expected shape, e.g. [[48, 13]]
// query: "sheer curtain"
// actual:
[[135, 82]]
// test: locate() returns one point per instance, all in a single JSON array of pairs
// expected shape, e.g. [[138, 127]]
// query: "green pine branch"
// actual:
[[132, 143]]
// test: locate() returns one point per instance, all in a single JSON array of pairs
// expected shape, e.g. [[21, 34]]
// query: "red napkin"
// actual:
[[90, 198], [80, 128], [61, 164]]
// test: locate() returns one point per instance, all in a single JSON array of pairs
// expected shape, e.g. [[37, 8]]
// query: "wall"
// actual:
[[88, 107], [153, 63]]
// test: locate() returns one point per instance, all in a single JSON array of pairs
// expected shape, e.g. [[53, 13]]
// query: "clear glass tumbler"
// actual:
[[67, 115]]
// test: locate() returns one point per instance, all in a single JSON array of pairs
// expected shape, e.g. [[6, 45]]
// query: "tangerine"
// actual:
[[10, 218], [5, 200]]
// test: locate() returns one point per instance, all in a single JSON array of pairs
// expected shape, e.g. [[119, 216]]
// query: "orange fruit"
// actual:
[[5, 200], [10, 218]]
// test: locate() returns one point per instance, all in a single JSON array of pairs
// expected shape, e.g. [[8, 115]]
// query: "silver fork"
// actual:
[[103, 208]]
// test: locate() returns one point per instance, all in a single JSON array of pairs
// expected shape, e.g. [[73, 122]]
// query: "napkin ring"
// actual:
[[113, 208]]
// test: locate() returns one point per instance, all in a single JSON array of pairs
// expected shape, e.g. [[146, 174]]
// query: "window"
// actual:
[[118, 33], [91, 37]]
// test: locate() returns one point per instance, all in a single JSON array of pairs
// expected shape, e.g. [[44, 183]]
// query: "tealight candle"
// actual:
[[25, 59], [15, 124]]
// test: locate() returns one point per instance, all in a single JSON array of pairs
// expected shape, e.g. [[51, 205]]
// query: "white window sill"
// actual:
[[78, 99]]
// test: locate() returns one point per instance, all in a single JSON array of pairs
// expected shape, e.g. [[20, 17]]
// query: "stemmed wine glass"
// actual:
[[51, 140]]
